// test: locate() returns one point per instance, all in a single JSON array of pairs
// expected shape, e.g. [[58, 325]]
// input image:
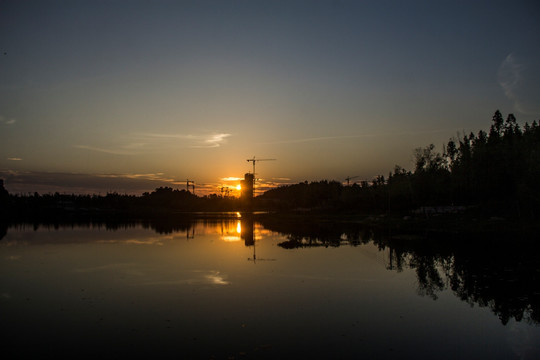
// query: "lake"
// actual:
[[237, 288]]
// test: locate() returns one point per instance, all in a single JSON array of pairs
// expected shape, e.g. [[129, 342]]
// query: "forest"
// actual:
[[492, 173], [495, 172]]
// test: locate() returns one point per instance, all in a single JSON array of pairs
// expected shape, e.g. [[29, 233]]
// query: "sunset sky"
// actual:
[[127, 96]]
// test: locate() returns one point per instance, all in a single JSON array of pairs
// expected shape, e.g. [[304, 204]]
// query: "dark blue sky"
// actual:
[[154, 92]]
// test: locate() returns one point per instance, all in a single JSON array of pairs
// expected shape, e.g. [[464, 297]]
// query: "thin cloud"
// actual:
[[341, 137], [211, 141], [148, 176], [232, 178], [144, 143], [205, 140], [509, 76], [217, 139], [7, 121], [107, 151], [14, 159], [322, 138], [519, 79]]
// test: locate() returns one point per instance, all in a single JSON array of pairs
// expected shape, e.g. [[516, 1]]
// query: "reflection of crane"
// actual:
[[254, 161], [254, 258], [190, 183], [350, 178], [248, 234]]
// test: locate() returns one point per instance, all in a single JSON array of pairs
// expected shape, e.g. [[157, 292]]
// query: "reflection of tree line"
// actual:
[[161, 227], [502, 273], [487, 272], [507, 280]]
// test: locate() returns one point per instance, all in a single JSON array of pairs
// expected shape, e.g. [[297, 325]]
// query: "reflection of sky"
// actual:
[[175, 290]]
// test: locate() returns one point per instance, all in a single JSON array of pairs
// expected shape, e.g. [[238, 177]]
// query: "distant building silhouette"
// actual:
[[247, 187]]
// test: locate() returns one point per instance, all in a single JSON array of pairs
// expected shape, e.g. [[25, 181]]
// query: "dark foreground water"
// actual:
[[233, 289]]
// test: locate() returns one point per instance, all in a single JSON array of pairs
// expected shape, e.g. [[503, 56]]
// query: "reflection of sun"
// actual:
[[231, 231], [238, 187]]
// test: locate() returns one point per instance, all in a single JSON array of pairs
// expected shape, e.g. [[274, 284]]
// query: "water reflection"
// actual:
[[497, 272], [503, 275], [198, 268]]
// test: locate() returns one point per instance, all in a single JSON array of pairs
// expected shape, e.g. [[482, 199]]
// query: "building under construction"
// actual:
[[247, 187]]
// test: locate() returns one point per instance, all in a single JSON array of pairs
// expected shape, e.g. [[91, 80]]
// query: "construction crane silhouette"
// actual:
[[190, 183], [255, 258], [348, 178], [254, 161]]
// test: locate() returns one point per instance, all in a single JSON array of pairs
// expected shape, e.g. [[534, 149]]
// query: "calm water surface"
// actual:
[[232, 288]]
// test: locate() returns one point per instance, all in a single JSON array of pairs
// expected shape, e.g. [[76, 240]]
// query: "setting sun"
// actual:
[[238, 187]]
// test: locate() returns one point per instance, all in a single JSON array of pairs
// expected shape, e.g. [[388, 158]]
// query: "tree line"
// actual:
[[493, 172], [162, 202]]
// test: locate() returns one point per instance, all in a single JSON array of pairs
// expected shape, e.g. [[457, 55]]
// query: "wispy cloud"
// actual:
[[231, 178], [149, 176], [215, 140], [113, 151], [265, 185], [314, 139], [509, 78], [5, 121], [144, 143], [358, 136], [193, 141], [14, 159], [518, 78]]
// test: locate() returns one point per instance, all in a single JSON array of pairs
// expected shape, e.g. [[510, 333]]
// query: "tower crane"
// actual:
[[254, 161], [348, 178], [255, 259]]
